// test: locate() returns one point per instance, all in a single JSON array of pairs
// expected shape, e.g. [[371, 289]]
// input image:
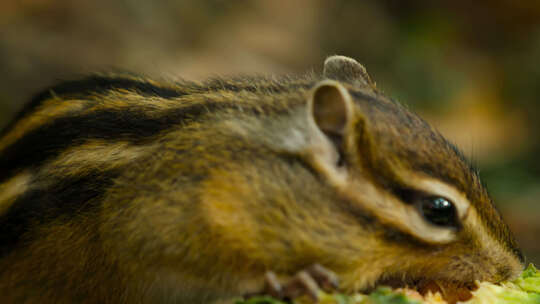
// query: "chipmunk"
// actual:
[[121, 189]]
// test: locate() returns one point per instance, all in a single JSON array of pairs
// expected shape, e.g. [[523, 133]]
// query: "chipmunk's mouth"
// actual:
[[451, 291]]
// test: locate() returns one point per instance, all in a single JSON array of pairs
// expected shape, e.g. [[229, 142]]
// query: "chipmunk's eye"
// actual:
[[438, 211]]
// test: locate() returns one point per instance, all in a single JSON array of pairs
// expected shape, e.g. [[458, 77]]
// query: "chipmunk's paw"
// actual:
[[306, 282]]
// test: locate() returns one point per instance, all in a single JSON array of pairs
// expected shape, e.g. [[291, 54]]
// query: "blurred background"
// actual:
[[471, 68]]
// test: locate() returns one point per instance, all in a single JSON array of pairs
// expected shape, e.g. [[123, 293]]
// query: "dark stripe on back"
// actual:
[[93, 85], [61, 201], [51, 139]]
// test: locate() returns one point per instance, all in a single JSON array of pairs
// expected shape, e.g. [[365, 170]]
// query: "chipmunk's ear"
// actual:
[[331, 110], [346, 69], [331, 107]]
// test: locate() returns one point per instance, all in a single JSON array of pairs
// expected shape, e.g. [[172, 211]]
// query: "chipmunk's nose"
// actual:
[[513, 268]]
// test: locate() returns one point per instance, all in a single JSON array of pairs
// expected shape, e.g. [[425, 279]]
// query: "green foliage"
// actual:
[[523, 290], [529, 280]]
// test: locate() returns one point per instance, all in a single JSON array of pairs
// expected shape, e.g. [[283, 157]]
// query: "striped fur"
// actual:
[[118, 188]]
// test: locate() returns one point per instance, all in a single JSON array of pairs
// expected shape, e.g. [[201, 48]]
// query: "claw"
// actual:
[[306, 282], [326, 278], [272, 285], [302, 284]]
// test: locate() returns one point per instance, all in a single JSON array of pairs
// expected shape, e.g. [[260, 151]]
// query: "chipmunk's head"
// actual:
[[425, 213]]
